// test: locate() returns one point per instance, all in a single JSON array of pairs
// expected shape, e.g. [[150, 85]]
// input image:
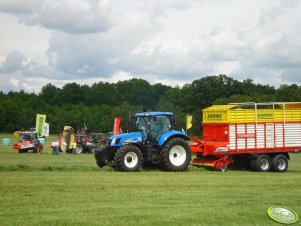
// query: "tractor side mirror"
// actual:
[[148, 127], [173, 123]]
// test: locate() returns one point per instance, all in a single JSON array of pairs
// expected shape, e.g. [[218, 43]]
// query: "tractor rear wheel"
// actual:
[[279, 163], [38, 148], [175, 155], [79, 148], [128, 158]]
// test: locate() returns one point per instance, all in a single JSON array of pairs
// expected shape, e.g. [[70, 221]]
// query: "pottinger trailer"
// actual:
[[260, 135]]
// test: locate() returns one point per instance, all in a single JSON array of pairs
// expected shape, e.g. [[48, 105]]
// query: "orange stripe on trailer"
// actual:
[[217, 163], [201, 162]]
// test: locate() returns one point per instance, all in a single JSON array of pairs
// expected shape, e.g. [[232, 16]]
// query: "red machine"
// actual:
[[116, 127], [257, 134], [28, 141]]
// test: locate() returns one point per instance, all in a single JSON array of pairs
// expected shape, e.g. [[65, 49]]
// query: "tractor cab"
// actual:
[[152, 125]]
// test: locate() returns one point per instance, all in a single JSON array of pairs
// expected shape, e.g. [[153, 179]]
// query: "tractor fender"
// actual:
[[171, 134]]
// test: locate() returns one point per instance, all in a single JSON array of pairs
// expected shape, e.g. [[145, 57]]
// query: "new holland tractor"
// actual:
[[153, 140]]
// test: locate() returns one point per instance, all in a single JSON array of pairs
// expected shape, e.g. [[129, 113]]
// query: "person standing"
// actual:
[[55, 145]]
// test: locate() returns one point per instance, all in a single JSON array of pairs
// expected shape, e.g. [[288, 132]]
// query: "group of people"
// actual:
[[56, 144]]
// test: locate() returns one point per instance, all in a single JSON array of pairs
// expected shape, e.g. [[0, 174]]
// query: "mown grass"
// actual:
[[42, 189]]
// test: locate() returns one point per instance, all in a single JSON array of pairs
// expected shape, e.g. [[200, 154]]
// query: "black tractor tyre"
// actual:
[[41, 148], [279, 163], [100, 157], [92, 149], [262, 164], [175, 155], [38, 148], [79, 148], [128, 158], [23, 150]]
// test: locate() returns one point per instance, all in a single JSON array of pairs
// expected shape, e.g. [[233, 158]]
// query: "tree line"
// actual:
[[97, 105]]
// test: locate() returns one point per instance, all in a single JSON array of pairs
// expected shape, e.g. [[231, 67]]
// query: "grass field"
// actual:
[[43, 189]]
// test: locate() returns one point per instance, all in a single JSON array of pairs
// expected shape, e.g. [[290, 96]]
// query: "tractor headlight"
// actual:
[[113, 141]]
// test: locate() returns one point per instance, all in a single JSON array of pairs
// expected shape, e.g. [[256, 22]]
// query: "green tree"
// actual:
[[50, 94], [102, 93], [289, 93], [72, 93]]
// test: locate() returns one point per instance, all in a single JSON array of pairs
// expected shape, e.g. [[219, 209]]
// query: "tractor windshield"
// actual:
[[152, 127], [141, 126], [26, 137]]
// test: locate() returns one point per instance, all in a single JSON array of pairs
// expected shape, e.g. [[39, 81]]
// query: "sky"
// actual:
[[172, 42]]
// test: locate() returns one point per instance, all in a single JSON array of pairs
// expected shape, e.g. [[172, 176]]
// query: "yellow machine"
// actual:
[[67, 140]]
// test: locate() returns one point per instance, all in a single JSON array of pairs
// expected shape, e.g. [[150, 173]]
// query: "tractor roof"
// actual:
[[146, 114]]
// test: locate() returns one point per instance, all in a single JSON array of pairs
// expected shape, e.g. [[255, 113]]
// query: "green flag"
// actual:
[[40, 123]]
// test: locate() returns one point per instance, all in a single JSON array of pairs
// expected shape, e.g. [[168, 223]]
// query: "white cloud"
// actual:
[[14, 62], [74, 16], [14, 82], [172, 42], [31, 40], [227, 67]]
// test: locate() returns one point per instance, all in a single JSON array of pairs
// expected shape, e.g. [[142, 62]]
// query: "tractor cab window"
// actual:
[[152, 127], [159, 125], [26, 137], [141, 126]]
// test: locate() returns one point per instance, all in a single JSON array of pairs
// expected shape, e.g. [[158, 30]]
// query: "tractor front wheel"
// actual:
[[23, 150], [175, 155], [128, 158], [100, 156]]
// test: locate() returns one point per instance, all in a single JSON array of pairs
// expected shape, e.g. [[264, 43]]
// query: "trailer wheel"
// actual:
[[128, 158], [175, 155], [279, 163], [262, 163]]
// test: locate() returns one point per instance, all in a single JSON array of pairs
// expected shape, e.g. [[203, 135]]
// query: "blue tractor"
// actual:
[[153, 140]]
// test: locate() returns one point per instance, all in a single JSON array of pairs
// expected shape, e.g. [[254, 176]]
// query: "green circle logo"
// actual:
[[282, 215]]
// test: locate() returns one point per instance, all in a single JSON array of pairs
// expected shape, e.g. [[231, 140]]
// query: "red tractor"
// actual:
[[28, 140]]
